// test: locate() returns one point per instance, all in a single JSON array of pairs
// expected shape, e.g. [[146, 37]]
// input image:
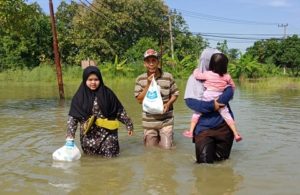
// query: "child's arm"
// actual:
[[205, 107], [199, 75], [231, 82], [226, 96]]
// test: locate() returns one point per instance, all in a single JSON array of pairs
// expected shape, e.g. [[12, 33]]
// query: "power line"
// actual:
[[244, 38], [222, 19], [242, 34], [205, 36], [97, 13], [229, 41], [237, 36]]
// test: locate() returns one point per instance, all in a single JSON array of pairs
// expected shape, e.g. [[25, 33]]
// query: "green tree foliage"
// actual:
[[117, 68], [67, 35], [234, 54], [103, 29], [288, 55], [136, 52], [179, 68], [264, 49], [25, 35], [249, 67], [106, 28], [185, 43], [282, 53], [223, 47]]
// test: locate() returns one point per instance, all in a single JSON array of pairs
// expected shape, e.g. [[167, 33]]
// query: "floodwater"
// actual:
[[33, 125]]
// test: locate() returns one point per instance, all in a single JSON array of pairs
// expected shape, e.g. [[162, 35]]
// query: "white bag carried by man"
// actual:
[[68, 152], [152, 102]]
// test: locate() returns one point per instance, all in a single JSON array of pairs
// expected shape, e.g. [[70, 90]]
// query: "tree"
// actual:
[[66, 33], [106, 28], [135, 53], [288, 54], [25, 35], [264, 50], [281, 52], [185, 43], [223, 47], [234, 54]]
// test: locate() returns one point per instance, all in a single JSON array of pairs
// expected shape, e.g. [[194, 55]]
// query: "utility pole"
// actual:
[[56, 53], [284, 37], [171, 37], [284, 29], [161, 46]]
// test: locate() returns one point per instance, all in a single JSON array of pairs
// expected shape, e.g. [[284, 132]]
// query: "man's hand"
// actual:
[[149, 79], [166, 107]]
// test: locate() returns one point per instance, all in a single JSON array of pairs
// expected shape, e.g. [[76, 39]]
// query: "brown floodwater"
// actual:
[[33, 125]]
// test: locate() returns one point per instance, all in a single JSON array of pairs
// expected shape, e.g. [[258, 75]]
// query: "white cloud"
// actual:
[[279, 3], [272, 3]]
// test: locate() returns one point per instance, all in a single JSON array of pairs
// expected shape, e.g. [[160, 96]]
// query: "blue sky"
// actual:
[[241, 21]]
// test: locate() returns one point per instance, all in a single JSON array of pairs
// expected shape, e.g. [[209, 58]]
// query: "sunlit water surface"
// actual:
[[33, 125]]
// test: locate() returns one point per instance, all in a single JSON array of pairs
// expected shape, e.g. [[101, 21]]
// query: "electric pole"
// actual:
[[56, 53], [284, 29], [161, 46], [284, 37], [171, 37]]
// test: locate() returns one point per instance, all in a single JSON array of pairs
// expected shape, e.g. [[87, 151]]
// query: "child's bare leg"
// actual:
[[189, 133], [192, 126], [194, 121], [229, 120]]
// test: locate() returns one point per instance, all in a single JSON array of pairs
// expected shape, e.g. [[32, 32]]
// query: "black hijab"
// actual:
[[82, 101]]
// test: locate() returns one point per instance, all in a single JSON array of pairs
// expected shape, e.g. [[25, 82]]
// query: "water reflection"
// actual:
[[104, 176], [158, 172], [215, 179], [33, 125], [65, 177]]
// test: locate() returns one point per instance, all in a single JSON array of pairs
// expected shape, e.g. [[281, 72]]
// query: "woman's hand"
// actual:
[[130, 132], [70, 137], [218, 105]]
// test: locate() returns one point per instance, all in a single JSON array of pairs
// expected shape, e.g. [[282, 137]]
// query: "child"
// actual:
[[215, 81]]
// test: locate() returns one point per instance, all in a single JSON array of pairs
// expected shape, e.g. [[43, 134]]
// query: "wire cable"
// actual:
[[222, 19]]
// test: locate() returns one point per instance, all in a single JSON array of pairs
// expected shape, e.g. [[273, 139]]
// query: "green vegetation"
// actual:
[[273, 83], [115, 33]]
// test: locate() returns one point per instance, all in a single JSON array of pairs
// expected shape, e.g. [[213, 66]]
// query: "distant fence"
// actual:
[[86, 63]]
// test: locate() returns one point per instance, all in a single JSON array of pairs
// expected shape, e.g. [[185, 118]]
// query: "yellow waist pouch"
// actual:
[[88, 124], [107, 124]]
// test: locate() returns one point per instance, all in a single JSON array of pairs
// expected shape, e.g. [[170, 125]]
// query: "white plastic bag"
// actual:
[[152, 102], [69, 152]]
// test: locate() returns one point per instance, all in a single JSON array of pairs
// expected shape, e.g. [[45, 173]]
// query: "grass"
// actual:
[[47, 74], [276, 83]]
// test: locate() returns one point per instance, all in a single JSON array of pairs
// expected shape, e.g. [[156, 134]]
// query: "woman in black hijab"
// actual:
[[96, 104]]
